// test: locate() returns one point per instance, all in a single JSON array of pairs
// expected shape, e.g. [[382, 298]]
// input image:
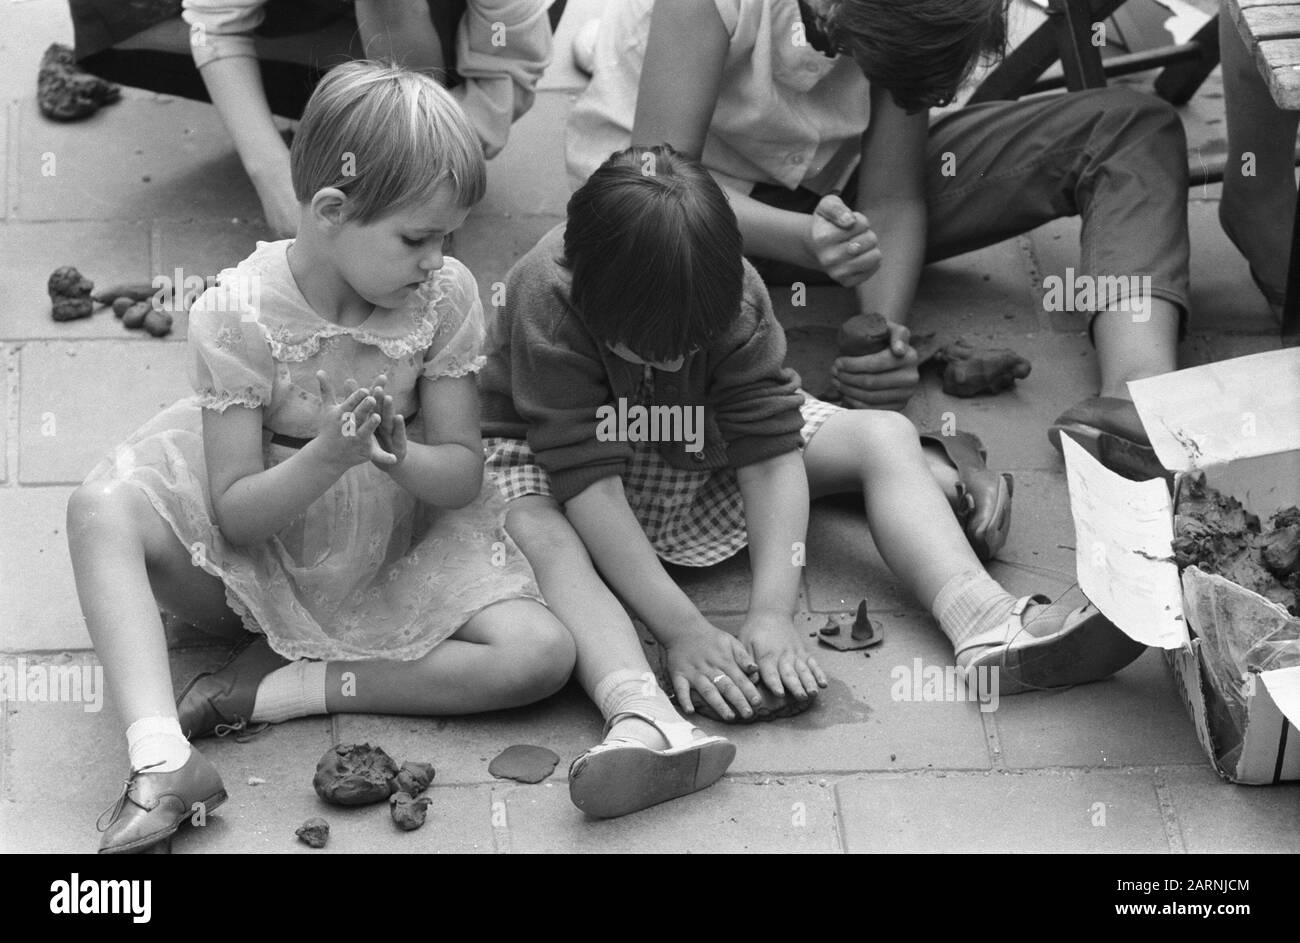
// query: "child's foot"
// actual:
[[221, 702], [620, 776], [1111, 431], [154, 805], [1039, 648], [983, 496]]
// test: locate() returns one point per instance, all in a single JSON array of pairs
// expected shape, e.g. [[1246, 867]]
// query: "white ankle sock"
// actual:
[[157, 740], [971, 608], [296, 690], [626, 690]]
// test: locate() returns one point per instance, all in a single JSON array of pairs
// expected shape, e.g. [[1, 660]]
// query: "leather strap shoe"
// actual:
[[221, 702], [153, 806], [983, 496], [1110, 430]]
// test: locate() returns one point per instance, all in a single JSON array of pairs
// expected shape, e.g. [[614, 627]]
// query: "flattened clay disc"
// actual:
[[524, 763]]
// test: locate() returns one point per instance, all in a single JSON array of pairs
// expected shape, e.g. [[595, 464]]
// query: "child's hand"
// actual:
[[347, 429], [885, 380], [783, 662], [717, 666], [842, 242], [392, 428]]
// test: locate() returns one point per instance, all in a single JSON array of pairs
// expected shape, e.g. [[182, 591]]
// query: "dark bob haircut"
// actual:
[[921, 51], [655, 252]]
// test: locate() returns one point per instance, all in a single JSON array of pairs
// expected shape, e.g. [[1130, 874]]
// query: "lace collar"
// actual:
[[295, 331]]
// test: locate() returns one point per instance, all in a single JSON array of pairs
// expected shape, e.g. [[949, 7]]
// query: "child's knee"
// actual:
[[884, 433], [1149, 122], [543, 654], [536, 652], [103, 504]]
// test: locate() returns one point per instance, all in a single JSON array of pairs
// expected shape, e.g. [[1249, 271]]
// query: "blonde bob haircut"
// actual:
[[387, 137]]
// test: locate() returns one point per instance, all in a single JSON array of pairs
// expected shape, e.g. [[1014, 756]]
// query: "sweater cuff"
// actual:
[[753, 449], [571, 482]]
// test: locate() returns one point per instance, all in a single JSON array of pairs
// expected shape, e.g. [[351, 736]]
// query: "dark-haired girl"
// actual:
[[643, 300]]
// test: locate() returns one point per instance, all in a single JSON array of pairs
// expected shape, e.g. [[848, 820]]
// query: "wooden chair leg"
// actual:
[[1177, 84], [1023, 66], [1080, 59]]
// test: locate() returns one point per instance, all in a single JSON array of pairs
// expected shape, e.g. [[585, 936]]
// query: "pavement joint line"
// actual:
[[155, 247], [11, 161], [1034, 271], [6, 783], [841, 836], [1168, 813], [502, 839], [991, 739], [11, 418]]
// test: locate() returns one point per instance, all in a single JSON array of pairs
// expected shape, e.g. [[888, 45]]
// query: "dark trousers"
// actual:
[[1113, 156]]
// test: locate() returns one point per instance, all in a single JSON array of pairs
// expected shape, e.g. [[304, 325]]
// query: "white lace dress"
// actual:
[[367, 571]]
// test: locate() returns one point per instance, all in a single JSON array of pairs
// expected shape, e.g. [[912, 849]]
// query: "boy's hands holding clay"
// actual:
[[346, 433], [883, 380], [842, 242], [718, 667]]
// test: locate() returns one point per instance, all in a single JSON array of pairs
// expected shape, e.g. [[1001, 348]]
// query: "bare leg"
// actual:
[[127, 561], [877, 452], [1132, 349], [605, 637], [1259, 190], [512, 653]]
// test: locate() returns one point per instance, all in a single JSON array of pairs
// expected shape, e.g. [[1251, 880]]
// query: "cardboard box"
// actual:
[[1238, 422]]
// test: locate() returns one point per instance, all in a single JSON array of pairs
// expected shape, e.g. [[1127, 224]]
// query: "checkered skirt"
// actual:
[[692, 518]]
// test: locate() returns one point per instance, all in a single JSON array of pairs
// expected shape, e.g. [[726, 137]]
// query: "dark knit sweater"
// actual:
[[546, 376]]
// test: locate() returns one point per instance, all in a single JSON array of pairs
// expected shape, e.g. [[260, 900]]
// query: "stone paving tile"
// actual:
[[983, 290], [170, 159], [720, 588], [1201, 349], [998, 812], [106, 253], [25, 30], [1223, 295], [8, 378], [729, 818], [1013, 425], [1222, 298], [204, 247], [459, 822], [1217, 816], [72, 410], [843, 563], [1135, 718], [528, 176], [461, 748], [866, 718], [490, 244], [7, 111], [38, 599], [1039, 555]]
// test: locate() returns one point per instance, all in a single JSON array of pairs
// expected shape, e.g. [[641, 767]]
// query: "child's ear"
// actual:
[[327, 207]]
